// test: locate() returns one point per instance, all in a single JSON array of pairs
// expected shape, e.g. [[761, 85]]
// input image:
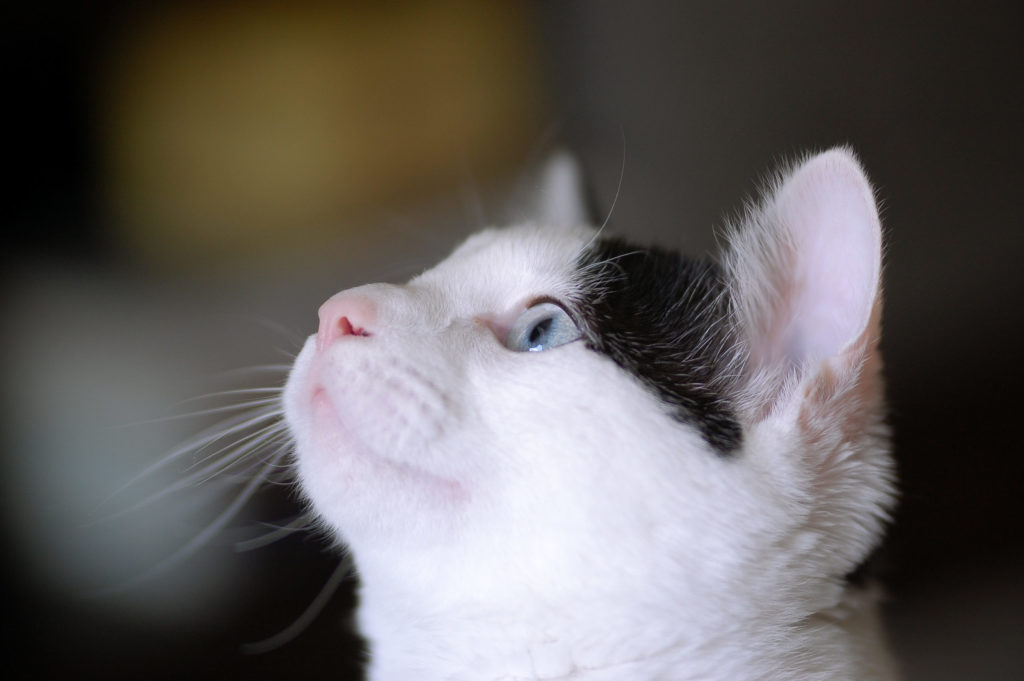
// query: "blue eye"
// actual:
[[542, 327]]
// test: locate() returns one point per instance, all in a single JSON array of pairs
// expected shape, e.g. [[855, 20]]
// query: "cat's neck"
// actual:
[[605, 637]]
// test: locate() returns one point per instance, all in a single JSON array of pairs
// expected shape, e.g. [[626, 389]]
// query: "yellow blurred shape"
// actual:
[[234, 128]]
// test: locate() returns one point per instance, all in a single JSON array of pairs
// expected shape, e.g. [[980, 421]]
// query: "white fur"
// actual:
[[539, 516]]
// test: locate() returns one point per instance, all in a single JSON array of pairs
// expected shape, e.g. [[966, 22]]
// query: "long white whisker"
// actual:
[[275, 439], [220, 431], [615, 199], [212, 410], [300, 523], [234, 391], [194, 544], [618, 187], [289, 334], [197, 445], [236, 451], [242, 448], [306, 618], [197, 478], [256, 369]]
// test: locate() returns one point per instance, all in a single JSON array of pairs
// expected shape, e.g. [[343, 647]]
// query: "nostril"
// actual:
[[347, 328], [344, 327], [345, 315]]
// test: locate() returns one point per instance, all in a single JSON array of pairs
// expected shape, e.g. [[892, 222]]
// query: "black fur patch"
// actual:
[[664, 318]]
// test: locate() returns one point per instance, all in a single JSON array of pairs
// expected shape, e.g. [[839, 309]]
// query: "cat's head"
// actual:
[[552, 409]]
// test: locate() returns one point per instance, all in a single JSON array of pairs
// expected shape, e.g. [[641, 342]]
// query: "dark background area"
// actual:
[[691, 105]]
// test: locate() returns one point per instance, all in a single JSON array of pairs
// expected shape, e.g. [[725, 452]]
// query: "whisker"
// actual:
[[615, 198], [237, 450], [255, 369], [198, 478], [303, 621], [269, 440], [212, 410], [298, 524], [193, 545], [609, 261], [234, 391], [195, 446], [618, 187], [222, 430], [289, 334]]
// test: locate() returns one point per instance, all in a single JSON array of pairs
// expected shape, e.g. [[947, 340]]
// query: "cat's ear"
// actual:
[[564, 198], [805, 271]]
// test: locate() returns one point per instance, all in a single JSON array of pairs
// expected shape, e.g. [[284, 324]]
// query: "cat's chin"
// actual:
[[357, 489]]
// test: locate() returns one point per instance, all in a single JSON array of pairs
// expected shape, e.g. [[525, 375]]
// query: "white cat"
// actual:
[[558, 456]]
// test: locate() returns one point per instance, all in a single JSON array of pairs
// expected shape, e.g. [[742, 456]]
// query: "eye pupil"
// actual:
[[540, 330]]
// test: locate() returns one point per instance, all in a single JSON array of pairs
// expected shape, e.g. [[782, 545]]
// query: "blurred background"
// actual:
[[187, 181]]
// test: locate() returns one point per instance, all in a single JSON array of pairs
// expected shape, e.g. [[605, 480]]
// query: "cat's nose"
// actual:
[[345, 315]]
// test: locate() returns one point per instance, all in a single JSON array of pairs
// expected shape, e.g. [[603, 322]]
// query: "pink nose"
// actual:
[[345, 315]]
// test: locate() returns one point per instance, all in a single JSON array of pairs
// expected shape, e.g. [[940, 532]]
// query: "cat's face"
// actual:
[[412, 422], [546, 402]]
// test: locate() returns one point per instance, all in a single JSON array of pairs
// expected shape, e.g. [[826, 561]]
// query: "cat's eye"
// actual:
[[542, 327]]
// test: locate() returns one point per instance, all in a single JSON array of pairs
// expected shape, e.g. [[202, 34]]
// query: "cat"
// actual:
[[557, 455]]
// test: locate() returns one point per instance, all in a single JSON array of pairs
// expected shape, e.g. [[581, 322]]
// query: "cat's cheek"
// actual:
[[334, 445]]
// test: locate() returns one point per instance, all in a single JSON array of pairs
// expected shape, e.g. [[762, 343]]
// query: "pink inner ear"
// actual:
[[834, 237]]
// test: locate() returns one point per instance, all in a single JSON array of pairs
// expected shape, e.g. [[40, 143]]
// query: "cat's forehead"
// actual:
[[499, 268]]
